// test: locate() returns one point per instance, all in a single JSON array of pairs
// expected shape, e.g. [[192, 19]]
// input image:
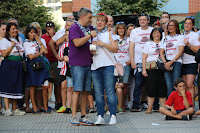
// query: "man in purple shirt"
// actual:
[[80, 59]]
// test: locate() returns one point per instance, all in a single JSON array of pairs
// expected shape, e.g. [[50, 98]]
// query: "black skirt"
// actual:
[[11, 79]]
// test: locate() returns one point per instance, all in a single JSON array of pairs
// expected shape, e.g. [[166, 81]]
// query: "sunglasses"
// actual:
[[189, 17], [157, 47], [49, 24], [165, 13], [120, 22]]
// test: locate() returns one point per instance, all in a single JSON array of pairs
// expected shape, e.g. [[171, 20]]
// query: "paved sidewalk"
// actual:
[[127, 123]]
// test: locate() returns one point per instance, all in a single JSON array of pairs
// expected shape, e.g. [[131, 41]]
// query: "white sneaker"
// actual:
[[99, 120], [113, 120], [2, 111], [7, 113], [18, 112]]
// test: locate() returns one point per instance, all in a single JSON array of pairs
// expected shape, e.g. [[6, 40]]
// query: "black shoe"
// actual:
[[136, 109], [166, 117], [187, 117], [68, 110], [156, 109], [58, 105]]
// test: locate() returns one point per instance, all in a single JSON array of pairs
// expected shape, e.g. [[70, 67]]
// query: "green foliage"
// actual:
[[113, 7], [25, 11]]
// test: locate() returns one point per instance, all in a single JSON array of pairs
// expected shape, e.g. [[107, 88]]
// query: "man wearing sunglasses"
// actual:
[[138, 38]]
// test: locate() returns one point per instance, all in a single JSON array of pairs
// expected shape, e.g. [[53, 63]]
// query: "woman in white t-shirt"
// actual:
[[190, 66], [11, 73], [103, 69], [172, 45], [2, 35], [154, 88], [34, 50], [122, 56]]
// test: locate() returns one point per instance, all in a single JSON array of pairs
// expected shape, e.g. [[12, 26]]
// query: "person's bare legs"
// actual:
[[50, 88], [14, 104], [39, 98], [32, 96], [119, 94], [45, 97], [27, 98], [83, 102], [64, 92], [164, 111], [150, 101], [6, 102], [189, 79], [69, 96], [75, 98], [162, 101], [90, 101]]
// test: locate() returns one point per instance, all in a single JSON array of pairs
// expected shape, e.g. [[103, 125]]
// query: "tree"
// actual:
[[25, 11], [114, 7]]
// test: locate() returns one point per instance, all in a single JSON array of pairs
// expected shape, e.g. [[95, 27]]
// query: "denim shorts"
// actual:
[[69, 81], [127, 71], [81, 76], [189, 69]]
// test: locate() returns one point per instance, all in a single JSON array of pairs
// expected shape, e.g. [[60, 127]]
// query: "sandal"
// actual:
[[28, 110]]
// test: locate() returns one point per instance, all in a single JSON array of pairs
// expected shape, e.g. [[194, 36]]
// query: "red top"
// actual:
[[50, 56], [177, 100]]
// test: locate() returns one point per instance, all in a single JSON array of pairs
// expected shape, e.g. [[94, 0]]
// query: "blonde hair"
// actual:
[[37, 25]]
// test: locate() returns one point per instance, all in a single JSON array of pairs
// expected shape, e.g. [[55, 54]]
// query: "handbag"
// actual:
[[37, 65], [24, 63], [187, 50], [160, 63], [119, 69], [151, 65]]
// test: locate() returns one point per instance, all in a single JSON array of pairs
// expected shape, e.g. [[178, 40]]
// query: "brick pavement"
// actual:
[[127, 123]]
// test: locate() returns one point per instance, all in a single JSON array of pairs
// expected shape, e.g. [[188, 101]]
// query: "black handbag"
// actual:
[[160, 64], [187, 50], [37, 65], [24, 63], [197, 57]]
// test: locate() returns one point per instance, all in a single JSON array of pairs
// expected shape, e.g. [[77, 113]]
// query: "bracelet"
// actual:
[[12, 46], [174, 60]]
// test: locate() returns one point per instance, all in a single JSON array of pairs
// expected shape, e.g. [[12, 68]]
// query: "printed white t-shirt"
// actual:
[[122, 56], [152, 51], [101, 59], [32, 47], [57, 36], [140, 38], [171, 46], [5, 44], [193, 40]]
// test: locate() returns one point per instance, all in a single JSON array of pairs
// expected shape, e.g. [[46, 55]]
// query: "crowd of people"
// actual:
[[117, 67]]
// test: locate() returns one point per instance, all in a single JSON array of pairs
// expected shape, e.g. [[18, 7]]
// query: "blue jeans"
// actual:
[[139, 82], [103, 78], [171, 76], [81, 76]]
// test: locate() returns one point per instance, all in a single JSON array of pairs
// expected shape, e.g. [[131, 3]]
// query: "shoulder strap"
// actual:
[[108, 55]]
